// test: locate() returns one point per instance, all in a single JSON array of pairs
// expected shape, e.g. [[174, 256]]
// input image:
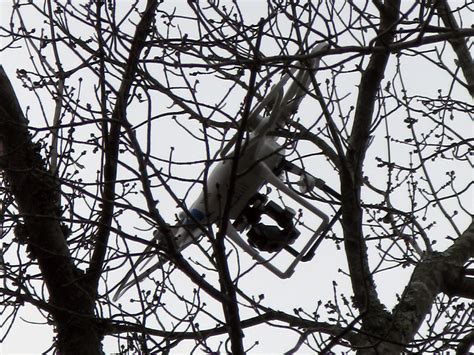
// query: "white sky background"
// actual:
[[317, 276]]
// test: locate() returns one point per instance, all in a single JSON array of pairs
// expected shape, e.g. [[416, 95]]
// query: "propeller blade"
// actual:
[[283, 104], [184, 238]]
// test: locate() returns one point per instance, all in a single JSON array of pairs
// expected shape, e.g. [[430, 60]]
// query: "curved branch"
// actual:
[[366, 297], [312, 326], [459, 44], [113, 141], [306, 134]]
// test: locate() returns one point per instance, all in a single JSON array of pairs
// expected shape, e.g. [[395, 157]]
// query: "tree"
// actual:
[[97, 99]]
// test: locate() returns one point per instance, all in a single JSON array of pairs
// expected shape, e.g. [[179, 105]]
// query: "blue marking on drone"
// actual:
[[198, 215]]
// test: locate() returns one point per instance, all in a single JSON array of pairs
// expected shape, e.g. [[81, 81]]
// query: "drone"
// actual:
[[260, 162]]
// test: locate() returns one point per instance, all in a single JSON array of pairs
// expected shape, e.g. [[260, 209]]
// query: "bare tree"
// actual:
[[96, 101]]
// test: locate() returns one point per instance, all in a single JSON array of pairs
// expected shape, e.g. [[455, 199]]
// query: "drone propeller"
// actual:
[[125, 285], [297, 90], [185, 236], [283, 104]]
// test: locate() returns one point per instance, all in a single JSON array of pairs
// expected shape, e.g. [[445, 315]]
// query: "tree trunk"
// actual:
[[37, 195]]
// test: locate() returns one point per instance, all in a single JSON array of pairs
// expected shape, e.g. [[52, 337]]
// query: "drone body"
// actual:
[[209, 206], [259, 162]]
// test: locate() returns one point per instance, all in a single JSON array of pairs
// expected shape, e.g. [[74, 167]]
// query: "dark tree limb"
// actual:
[[230, 305], [366, 298], [465, 344], [270, 315], [459, 44], [429, 279], [35, 190], [458, 284], [174, 255], [432, 276], [113, 142], [305, 134]]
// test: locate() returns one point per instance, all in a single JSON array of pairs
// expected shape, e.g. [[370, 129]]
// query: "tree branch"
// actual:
[[356, 50], [35, 190], [366, 298], [459, 44], [306, 134], [460, 286], [113, 142], [270, 315], [230, 305], [429, 279], [465, 345]]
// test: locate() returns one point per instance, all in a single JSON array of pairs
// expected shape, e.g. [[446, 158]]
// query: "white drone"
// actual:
[[260, 162]]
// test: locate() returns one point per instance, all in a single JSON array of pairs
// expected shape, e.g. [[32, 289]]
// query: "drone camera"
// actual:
[[272, 238]]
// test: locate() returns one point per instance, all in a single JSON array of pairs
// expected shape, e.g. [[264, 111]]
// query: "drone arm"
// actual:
[[271, 178], [286, 104], [267, 124], [283, 104], [264, 124], [307, 181], [275, 91]]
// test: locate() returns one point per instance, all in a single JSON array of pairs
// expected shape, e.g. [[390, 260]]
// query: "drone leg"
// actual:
[[237, 239], [269, 176]]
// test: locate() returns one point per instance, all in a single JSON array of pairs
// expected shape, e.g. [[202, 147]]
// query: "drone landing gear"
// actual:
[[274, 239]]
